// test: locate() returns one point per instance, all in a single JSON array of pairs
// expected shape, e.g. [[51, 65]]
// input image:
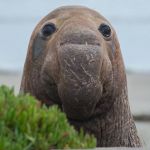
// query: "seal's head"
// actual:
[[74, 60]]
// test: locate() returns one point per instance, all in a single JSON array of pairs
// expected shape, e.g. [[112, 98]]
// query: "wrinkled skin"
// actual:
[[82, 72]]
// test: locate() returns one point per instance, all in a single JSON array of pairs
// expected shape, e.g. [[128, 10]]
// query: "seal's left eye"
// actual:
[[48, 29], [105, 30]]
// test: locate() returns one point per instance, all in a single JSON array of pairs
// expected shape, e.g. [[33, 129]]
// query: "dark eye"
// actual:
[[48, 29], [105, 30]]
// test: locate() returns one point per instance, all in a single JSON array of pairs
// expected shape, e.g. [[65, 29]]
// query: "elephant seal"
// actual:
[[74, 60]]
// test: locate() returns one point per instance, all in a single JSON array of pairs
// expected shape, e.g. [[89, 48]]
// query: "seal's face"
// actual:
[[71, 62]]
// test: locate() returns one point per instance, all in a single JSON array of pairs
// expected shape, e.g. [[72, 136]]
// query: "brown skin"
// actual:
[[82, 72]]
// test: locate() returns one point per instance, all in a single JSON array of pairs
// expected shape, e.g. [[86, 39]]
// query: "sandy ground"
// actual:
[[139, 93], [139, 97], [11, 80]]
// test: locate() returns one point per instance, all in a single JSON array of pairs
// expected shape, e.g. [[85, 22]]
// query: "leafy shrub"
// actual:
[[25, 125]]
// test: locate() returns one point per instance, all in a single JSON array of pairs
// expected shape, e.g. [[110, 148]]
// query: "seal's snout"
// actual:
[[80, 59]]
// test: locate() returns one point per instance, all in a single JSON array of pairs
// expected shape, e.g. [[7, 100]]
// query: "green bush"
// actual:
[[25, 125]]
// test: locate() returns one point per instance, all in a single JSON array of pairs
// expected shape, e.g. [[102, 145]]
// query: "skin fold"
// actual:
[[82, 71]]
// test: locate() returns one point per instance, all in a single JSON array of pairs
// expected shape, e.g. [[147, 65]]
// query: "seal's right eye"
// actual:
[[48, 29]]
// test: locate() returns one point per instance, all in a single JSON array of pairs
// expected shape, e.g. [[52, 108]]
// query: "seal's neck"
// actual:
[[116, 128]]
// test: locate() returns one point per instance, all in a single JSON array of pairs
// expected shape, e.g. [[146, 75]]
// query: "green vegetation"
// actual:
[[25, 125]]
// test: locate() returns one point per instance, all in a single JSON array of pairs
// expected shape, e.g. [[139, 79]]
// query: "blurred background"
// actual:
[[131, 19]]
